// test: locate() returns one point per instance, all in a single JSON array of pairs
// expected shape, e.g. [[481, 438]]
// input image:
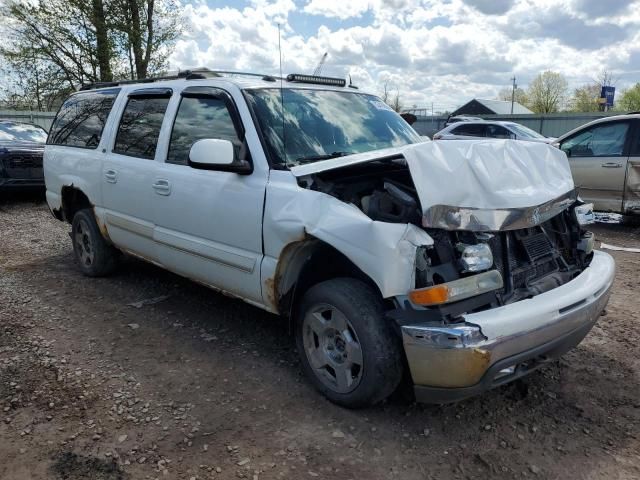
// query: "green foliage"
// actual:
[[547, 92], [55, 46], [630, 99], [585, 98]]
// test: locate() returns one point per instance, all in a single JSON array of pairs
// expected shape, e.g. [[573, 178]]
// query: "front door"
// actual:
[[129, 169], [598, 158], [208, 224]]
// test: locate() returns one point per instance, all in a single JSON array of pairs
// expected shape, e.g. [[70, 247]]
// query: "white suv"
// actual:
[[465, 261]]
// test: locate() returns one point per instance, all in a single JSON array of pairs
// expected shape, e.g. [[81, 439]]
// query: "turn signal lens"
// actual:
[[430, 296], [457, 289]]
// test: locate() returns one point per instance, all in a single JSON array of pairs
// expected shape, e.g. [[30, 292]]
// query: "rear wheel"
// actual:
[[348, 349], [93, 254]]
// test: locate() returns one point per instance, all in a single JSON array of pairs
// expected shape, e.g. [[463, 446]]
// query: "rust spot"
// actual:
[[270, 291], [438, 367], [102, 226]]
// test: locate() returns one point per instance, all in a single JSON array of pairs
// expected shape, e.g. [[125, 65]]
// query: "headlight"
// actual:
[[475, 258], [584, 214]]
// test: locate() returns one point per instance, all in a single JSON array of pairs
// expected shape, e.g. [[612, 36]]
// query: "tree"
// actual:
[[630, 99], [585, 98], [143, 28], [520, 95], [391, 99], [547, 92], [76, 41]]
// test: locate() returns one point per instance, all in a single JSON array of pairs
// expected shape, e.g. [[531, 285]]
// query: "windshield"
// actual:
[[320, 124], [525, 131], [22, 132]]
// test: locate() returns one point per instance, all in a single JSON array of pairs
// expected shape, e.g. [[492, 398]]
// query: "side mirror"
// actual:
[[216, 154], [513, 136]]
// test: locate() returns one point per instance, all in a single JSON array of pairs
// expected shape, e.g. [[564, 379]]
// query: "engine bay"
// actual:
[[531, 260]]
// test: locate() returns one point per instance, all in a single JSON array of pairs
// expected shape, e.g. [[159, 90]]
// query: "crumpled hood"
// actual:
[[480, 185]]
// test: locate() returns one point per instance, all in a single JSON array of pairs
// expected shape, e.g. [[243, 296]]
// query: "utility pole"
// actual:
[[513, 92]]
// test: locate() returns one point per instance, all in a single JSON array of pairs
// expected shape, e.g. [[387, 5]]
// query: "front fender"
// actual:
[[385, 252]]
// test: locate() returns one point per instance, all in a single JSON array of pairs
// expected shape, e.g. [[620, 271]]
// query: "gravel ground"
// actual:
[[200, 386]]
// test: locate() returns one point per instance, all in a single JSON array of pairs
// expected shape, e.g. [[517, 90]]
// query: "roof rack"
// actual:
[[195, 74]]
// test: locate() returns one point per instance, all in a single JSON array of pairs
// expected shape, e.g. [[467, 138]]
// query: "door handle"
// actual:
[[162, 186], [612, 165], [111, 176]]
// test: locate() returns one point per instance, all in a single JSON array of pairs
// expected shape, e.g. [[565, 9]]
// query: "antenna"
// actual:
[[284, 149]]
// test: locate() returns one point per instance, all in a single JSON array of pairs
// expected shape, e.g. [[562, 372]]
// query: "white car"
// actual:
[[465, 261], [490, 129]]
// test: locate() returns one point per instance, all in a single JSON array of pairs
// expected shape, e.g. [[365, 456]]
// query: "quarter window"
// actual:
[[81, 119], [139, 127], [605, 140], [199, 118]]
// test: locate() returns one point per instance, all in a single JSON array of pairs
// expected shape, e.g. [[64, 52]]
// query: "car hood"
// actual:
[[479, 185]]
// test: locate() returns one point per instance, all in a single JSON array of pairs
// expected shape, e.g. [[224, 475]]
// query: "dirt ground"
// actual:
[[200, 386]]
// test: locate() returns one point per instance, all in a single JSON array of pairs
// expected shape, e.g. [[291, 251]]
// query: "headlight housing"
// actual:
[[475, 258], [584, 214]]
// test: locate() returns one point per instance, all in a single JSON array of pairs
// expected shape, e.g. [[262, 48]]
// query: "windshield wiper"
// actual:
[[315, 158]]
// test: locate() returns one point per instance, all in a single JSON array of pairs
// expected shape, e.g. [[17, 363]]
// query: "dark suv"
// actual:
[[21, 149]]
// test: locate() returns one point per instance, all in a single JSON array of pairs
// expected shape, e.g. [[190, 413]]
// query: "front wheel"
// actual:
[[348, 349]]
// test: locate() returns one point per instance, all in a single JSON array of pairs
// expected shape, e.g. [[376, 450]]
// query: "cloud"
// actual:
[[601, 8], [341, 9], [491, 7], [444, 52]]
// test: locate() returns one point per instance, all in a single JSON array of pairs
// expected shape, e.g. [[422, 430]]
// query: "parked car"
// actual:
[[490, 129], [21, 150], [465, 261], [604, 156]]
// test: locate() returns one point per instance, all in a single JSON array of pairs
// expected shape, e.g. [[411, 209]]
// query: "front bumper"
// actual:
[[496, 346]]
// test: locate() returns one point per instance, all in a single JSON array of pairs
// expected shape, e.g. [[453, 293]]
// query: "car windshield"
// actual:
[[320, 124], [525, 131], [22, 132]]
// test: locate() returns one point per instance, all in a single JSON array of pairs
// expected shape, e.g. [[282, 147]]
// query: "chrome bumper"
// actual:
[[498, 345]]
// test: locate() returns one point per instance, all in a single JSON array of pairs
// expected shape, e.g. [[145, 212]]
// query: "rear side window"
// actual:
[[81, 119], [139, 127], [472, 130], [199, 118]]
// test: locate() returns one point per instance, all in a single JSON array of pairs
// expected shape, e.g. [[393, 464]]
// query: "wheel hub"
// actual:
[[84, 247], [333, 349]]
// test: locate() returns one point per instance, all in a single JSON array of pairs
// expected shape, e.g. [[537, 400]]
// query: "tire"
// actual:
[[348, 348], [94, 256], [631, 220]]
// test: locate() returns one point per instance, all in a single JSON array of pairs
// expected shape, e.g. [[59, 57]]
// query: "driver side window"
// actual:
[[598, 141], [199, 118]]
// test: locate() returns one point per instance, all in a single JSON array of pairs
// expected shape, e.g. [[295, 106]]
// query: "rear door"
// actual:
[[208, 224], [598, 156], [129, 170]]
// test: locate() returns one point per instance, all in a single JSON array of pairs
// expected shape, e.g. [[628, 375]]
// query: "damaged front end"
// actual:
[[506, 229]]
